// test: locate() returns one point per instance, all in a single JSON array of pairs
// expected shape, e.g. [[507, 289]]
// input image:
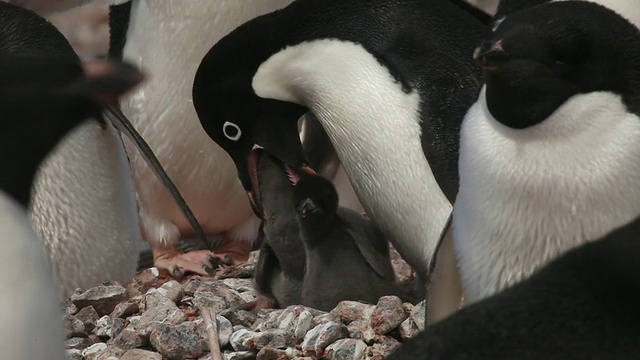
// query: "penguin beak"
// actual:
[[252, 185], [489, 54], [307, 207]]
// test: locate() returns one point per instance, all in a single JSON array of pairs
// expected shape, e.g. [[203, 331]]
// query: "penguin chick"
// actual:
[[346, 257], [583, 305], [280, 270]]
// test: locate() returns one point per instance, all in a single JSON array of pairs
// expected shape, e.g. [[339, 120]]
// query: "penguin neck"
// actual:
[[375, 128]]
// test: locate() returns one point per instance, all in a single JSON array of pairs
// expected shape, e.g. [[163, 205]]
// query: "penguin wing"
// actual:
[[380, 262], [448, 87]]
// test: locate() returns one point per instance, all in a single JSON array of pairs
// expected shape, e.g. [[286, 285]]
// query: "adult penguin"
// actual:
[[163, 113], [43, 98], [389, 80], [83, 206], [549, 151]]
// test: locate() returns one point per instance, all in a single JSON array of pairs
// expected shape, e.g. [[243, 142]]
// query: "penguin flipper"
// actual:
[[378, 260]]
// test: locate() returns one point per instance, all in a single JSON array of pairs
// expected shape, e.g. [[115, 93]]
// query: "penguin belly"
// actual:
[[84, 210], [163, 113], [528, 196]]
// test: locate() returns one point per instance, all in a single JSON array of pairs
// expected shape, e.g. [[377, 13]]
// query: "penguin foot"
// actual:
[[177, 263], [232, 252]]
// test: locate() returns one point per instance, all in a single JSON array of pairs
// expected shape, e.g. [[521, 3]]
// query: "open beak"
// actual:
[[489, 54], [253, 189]]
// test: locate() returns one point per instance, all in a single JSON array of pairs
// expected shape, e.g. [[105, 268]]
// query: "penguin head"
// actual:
[[314, 197], [538, 58], [43, 98], [239, 121]]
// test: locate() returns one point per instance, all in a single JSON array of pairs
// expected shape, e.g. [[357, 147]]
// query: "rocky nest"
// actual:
[[154, 317]]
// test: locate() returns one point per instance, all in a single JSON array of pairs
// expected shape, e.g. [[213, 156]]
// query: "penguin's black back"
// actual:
[[119, 17], [583, 305], [23, 31]]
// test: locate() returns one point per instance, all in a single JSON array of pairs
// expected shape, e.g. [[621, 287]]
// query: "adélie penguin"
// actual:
[[43, 98], [549, 152], [582, 305], [83, 205], [161, 110], [389, 80]]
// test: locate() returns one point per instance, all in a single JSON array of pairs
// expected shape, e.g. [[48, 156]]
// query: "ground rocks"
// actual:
[[154, 317]]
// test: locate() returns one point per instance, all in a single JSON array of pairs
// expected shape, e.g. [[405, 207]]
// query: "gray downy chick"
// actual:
[[347, 258]]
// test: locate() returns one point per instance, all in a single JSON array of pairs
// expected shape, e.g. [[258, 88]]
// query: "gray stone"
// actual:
[[240, 317], [418, 314], [384, 349], [177, 341], [271, 354], [189, 288], [73, 327], [78, 343], [361, 329], [139, 354], [349, 311], [143, 281], [408, 329], [103, 298], [274, 338], [240, 340], [387, 315], [238, 355], [325, 318], [162, 311], [125, 309], [318, 338], [346, 349], [69, 308], [102, 351], [129, 338], [74, 354], [89, 316], [172, 291], [216, 295], [108, 327], [240, 285]]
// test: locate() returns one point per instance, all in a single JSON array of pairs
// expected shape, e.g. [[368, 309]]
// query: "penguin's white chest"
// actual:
[[168, 39], [528, 195]]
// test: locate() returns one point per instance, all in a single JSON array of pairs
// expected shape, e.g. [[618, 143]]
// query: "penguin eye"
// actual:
[[231, 131]]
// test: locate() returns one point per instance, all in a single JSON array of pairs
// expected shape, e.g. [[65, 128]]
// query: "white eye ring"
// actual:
[[228, 125]]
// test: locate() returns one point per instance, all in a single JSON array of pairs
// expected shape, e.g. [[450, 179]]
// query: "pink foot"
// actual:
[[178, 263], [233, 252]]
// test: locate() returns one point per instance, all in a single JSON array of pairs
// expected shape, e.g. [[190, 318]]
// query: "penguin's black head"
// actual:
[[43, 98], [237, 119], [314, 196], [538, 58]]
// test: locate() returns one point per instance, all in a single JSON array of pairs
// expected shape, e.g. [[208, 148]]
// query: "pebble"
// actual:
[[89, 316], [103, 298], [388, 314], [154, 317], [177, 341], [346, 349], [73, 327], [418, 314], [139, 354], [321, 336]]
